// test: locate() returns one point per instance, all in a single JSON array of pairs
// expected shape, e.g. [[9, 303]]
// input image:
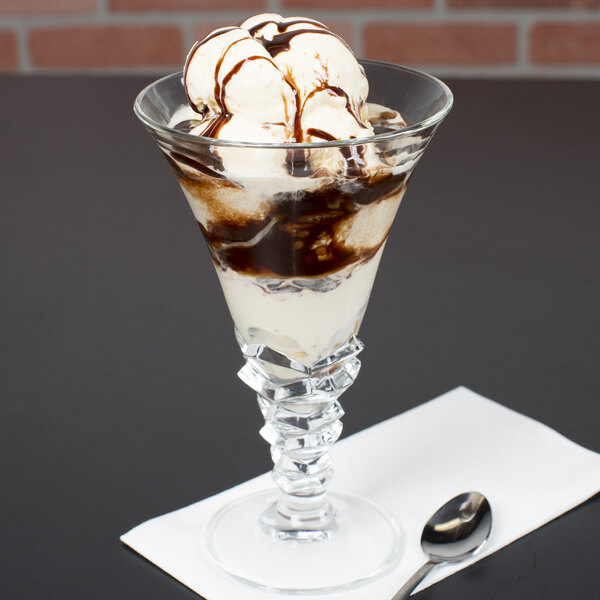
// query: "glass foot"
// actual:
[[363, 544]]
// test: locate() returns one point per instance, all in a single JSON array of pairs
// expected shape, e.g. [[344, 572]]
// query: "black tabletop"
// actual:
[[118, 394]]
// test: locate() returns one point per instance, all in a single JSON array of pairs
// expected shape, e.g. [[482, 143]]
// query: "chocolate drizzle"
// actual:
[[354, 154], [283, 25], [281, 42], [208, 162], [338, 91], [355, 159], [188, 125], [324, 135], [191, 54], [295, 158], [232, 72], [224, 115]]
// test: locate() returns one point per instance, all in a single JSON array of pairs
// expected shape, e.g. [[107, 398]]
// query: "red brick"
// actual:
[[8, 51], [46, 6], [106, 46], [360, 4], [342, 28], [565, 43], [140, 5], [442, 43], [523, 3]]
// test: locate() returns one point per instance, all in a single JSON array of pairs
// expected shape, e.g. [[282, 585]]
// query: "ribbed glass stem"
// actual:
[[302, 421]]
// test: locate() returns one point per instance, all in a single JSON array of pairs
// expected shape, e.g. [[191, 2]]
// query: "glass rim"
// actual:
[[407, 131]]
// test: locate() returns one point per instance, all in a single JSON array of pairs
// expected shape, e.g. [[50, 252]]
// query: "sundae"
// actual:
[[295, 221], [294, 178]]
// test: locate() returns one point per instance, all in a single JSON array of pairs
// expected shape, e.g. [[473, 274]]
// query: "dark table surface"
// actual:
[[118, 394]]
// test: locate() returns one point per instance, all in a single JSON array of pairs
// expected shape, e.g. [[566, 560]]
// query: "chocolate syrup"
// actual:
[[281, 42], [301, 236], [283, 26], [354, 154], [190, 56], [324, 135], [219, 89], [219, 93], [209, 163], [213, 129], [187, 125], [300, 240], [338, 91], [296, 163]]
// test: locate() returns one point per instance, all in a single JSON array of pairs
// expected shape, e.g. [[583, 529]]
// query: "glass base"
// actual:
[[364, 544]]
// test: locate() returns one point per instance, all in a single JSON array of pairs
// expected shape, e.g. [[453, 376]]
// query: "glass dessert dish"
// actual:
[[296, 251]]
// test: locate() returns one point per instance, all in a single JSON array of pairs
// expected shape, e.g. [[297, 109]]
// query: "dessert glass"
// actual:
[[296, 251]]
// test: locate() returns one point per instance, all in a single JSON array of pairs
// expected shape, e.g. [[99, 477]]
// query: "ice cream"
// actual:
[[295, 232], [279, 80]]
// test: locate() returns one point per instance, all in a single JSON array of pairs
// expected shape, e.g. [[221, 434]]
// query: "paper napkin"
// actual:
[[458, 442]]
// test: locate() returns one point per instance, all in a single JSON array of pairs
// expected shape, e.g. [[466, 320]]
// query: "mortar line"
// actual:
[[538, 72], [523, 29], [357, 38], [454, 72], [441, 12], [187, 30], [361, 16], [23, 57], [438, 8], [102, 8]]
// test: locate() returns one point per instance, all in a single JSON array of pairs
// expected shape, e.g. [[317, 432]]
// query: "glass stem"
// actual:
[[302, 414], [301, 434]]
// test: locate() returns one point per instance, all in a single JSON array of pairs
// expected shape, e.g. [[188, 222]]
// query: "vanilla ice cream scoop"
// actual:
[[330, 86], [233, 83]]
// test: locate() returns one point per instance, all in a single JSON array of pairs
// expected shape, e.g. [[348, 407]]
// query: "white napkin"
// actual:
[[455, 443]]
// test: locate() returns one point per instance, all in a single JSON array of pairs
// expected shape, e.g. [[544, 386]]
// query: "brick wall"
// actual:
[[448, 37]]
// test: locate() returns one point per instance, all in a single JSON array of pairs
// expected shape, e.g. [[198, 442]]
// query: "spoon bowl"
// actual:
[[454, 532], [458, 529]]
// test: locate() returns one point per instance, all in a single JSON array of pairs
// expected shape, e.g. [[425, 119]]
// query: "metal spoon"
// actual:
[[455, 532]]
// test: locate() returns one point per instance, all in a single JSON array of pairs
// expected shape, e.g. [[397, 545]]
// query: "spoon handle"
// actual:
[[404, 592]]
